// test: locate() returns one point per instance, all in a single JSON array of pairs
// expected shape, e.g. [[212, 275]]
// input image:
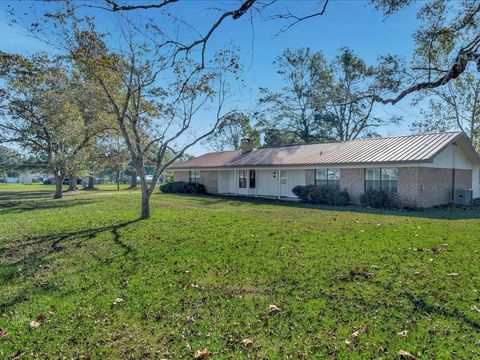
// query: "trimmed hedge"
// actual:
[[376, 199], [313, 194], [182, 187]]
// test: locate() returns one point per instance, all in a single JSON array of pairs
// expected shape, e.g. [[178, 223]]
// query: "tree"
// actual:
[[454, 36], [231, 131], [10, 162], [296, 110], [453, 107], [130, 81], [38, 114], [324, 101], [350, 113]]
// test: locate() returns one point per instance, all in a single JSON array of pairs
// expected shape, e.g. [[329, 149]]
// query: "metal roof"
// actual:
[[398, 149]]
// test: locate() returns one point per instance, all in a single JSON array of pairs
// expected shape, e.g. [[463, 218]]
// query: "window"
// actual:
[[194, 176], [328, 177], [252, 179], [242, 178], [283, 176], [385, 179]]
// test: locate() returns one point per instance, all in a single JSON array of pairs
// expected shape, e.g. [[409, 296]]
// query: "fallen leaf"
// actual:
[[34, 324], [202, 354], [118, 301], [474, 308], [3, 333], [247, 343], [359, 331], [274, 309], [435, 293], [190, 319], [435, 250], [477, 342], [403, 333], [405, 354], [41, 318]]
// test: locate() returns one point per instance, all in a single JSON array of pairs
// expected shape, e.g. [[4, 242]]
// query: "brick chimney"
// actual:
[[246, 146]]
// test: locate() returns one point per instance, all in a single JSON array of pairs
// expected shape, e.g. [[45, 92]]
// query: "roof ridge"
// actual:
[[361, 139]]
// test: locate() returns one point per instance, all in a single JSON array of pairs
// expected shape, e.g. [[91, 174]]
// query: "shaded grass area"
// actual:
[[203, 271]]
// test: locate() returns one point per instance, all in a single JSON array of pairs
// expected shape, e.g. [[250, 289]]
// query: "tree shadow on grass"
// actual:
[[29, 255], [433, 213]]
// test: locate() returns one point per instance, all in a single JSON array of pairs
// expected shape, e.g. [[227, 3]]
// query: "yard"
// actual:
[[81, 278]]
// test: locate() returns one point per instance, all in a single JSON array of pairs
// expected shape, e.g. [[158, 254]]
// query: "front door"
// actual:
[[284, 188]]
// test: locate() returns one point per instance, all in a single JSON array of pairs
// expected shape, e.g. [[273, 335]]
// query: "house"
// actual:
[[417, 170]]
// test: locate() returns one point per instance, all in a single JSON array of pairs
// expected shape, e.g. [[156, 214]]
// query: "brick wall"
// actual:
[[408, 187], [181, 176], [210, 180], [310, 177], [353, 181]]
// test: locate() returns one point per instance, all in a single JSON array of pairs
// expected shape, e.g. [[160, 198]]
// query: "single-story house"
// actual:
[[417, 170]]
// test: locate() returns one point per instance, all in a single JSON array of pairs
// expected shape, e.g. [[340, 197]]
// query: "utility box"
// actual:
[[463, 197]]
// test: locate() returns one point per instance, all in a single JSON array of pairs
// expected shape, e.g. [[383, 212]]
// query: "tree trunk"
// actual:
[[118, 180], [145, 203], [58, 186], [133, 182], [91, 183], [72, 183]]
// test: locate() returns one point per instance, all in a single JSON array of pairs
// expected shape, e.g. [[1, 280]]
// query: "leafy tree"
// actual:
[[455, 106], [231, 131], [324, 101], [37, 112], [296, 110], [350, 111]]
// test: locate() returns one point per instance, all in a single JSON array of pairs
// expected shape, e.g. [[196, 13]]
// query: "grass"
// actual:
[[202, 272]]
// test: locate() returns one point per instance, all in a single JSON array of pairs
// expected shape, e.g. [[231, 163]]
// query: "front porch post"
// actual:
[[278, 184], [235, 177]]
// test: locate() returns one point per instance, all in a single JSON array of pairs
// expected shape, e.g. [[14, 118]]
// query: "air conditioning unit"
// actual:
[[463, 197]]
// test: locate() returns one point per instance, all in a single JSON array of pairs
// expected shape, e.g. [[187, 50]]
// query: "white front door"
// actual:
[[284, 187]]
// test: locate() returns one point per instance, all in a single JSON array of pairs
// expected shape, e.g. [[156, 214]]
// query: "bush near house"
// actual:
[[182, 187], [313, 194], [376, 199]]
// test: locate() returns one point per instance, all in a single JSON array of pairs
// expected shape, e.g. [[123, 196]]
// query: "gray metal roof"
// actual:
[[398, 149]]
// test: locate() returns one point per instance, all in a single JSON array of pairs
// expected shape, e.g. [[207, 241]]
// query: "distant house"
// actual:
[[418, 170]]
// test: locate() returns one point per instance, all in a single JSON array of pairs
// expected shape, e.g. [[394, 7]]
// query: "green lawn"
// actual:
[[202, 272]]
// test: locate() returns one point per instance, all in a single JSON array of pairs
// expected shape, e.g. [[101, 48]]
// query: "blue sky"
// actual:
[[354, 24]]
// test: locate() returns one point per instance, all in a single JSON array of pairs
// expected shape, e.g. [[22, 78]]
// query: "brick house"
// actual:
[[417, 170]]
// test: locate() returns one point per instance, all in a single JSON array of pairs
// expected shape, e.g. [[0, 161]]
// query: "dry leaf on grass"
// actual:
[[118, 301], [34, 324], [477, 342], [474, 308], [247, 343], [405, 354], [359, 331], [41, 318], [202, 354], [403, 333], [274, 309], [3, 333]]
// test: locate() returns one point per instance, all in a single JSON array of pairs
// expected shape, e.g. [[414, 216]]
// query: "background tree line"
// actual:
[[132, 102]]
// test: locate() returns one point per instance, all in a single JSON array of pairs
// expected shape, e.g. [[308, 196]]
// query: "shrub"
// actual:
[[342, 198], [182, 187], [313, 194], [376, 199]]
